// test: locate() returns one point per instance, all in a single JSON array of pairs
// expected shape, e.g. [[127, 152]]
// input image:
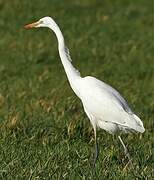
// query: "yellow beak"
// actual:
[[32, 25]]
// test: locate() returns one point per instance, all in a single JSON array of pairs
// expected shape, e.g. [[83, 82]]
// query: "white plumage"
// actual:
[[104, 106]]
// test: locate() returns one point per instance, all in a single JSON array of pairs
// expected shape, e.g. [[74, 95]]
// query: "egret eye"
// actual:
[[41, 21]]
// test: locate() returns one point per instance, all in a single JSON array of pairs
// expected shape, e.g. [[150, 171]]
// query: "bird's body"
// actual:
[[104, 106]]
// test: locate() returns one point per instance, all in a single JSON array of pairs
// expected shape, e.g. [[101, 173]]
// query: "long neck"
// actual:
[[71, 72]]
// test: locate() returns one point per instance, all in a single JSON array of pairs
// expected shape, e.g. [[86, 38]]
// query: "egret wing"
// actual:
[[104, 102]]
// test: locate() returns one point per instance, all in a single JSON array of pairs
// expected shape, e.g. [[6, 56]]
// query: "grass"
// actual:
[[44, 133]]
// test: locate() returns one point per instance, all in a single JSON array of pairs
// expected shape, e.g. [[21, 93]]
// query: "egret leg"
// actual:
[[96, 151], [125, 149]]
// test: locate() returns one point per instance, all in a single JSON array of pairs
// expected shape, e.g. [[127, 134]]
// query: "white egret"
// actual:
[[104, 106]]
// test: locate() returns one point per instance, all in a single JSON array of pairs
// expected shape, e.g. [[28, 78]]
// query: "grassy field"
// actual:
[[44, 132]]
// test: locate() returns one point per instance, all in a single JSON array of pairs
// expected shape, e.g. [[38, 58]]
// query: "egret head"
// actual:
[[43, 22]]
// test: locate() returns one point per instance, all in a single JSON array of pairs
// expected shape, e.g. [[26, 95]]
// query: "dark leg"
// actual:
[[96, 153], [125, 150], [96, 150]]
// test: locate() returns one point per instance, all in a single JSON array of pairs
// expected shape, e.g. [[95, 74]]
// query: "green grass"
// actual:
[[44, 132]]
